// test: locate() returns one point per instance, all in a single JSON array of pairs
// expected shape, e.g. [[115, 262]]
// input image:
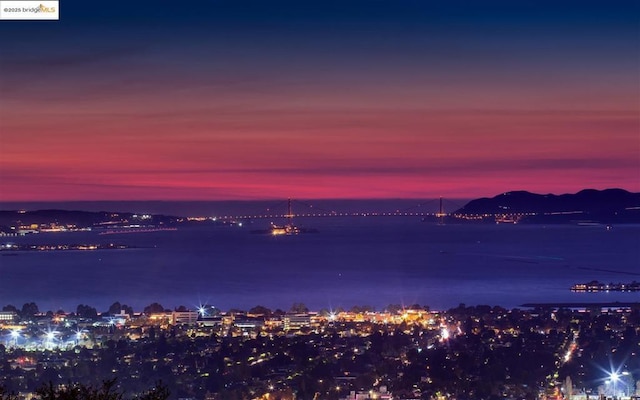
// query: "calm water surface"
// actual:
[[372, 261]]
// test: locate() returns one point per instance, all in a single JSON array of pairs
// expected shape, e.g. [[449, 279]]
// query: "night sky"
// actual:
[[211, 100]]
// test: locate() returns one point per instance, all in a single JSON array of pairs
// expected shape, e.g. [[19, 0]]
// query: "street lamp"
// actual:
[[50, 337], [614, 378], [15, 334], [79, 336]]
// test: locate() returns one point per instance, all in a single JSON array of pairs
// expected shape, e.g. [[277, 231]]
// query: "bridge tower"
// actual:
[[289, 215], [441, 213]]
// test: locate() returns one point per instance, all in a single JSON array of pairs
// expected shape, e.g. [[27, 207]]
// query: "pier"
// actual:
[[595, 286]]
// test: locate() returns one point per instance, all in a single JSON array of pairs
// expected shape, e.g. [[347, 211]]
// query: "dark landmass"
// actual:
[[80, 219], [19, 222], [587, 206], [9, 249]]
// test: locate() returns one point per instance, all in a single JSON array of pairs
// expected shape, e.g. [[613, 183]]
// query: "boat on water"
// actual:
[[506, 219], [286, 229]]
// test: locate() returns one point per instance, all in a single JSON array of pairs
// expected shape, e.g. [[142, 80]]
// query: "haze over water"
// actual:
[[351, 261]]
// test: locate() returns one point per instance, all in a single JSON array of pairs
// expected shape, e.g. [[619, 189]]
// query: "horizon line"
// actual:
[[300, 198]]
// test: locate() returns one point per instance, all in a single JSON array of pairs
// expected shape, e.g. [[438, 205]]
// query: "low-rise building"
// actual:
[[187, 317], [296, 321], [8, 317]]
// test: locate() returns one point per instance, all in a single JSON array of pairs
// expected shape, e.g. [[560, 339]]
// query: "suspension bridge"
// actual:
[[315, 211]]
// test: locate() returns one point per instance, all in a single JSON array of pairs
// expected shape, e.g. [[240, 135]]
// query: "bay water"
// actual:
[[373, 261]]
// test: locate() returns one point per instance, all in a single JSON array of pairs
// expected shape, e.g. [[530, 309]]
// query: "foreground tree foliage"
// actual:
[[5, 395], [107, 391]]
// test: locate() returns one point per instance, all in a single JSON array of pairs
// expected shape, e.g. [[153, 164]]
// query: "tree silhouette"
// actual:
[[5, 395], [159, 392], [153, 308], [79, 391], [29, 310], [84, 311], [298, 308], [260, 310], [115, 308]]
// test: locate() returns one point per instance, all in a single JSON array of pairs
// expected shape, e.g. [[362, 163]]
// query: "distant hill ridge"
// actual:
[[603, 206], [599, 205]]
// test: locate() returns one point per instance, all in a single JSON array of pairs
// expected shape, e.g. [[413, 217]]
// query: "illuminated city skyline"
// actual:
[[251, 100]]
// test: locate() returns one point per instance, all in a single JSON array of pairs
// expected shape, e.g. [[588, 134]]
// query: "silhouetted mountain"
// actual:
[[605, 206]]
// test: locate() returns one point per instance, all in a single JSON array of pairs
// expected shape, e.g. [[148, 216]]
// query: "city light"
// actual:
[[15, 335], [436, 330], [50, 337], [615, 379]]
